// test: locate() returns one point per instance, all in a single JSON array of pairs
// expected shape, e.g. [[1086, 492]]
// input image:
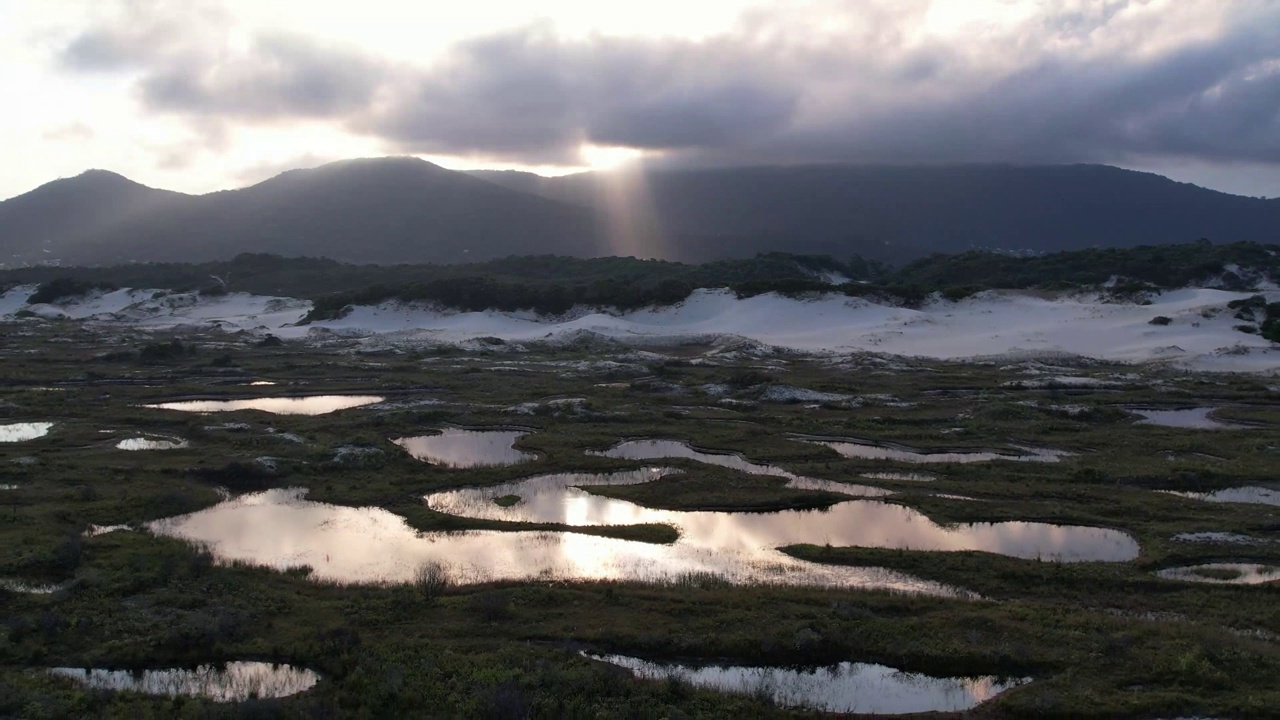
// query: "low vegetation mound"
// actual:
[[552, 285], [63, 288], [1164, 266]]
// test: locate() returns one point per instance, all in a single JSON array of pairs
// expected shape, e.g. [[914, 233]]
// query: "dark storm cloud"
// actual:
[[528, 94], [147, 33], [1218, 101], [837, 81], [279, 77], [187, 65]]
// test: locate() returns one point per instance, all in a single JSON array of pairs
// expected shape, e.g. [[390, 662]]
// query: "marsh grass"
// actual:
[[1100, 639], [431, 580], [1217, 573], [506, 500]]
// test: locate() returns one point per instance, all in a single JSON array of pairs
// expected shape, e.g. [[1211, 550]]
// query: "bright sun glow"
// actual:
[[608, 157]]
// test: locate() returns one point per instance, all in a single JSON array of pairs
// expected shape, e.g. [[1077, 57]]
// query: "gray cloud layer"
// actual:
[[826, 82]]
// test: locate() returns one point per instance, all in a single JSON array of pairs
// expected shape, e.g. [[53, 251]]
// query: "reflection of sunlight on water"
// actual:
[[1252, 494], [233, 682], [870, 451], [19, 432], [847, 687], [900, 476], [314, 405], [665, 449], [1191, 418], [279, 528], [33, 588], [860, 523], [151, 444], [96, 530], [467, 448], [1221, 573]]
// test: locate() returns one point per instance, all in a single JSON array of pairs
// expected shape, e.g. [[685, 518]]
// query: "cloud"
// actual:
[[148, 33], [278, 76], [74, 132], [858, 80], [193, 60], [529, 94]]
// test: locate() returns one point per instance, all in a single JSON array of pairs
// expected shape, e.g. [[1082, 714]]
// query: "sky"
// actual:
[[203, 95]]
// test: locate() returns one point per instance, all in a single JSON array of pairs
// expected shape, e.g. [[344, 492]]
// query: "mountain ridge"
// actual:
[[406, 210]]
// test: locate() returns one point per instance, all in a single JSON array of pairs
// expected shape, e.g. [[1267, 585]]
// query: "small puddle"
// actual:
[[143, 443], [19, 432], [6, 486], [866, 450], [20, 586], [900, 476], [232, 682], [281, 529], [1252, 495], [314, 405], [667, 449], [456, 448], [262, 382], [96, 530], [754, 536], [1224, 573], [1193, 418], [1226, 538], [845, 688]]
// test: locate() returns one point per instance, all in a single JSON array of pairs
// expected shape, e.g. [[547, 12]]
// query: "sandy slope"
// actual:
[[992, 324]]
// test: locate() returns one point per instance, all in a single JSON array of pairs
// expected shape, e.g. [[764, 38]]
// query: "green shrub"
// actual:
[[956, 294], [163, 352], [65, 287]]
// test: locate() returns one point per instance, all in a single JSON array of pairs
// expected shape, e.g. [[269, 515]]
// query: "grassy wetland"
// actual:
[[1111, 638]]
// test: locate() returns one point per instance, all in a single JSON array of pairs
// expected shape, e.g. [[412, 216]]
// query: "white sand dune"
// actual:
[[1201, 334]]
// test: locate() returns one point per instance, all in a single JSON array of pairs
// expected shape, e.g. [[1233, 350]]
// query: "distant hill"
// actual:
[[900, 213], [404, 210], [75, 213], [388, 210]]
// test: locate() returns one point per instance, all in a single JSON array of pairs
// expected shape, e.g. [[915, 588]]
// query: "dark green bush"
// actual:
[[163, 352], [956, 294], [65, 287]]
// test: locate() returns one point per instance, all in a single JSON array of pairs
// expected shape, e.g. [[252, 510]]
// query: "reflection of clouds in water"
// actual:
[[151, 444], [315, 405], [19, 432], [1252, 494], [1192, 418], [664, 449], [278, 528], [867, 451], [19, 586], [860, 523], [1222, 573], [232, 682], [900, 476], [847, 687], [467, 448]]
